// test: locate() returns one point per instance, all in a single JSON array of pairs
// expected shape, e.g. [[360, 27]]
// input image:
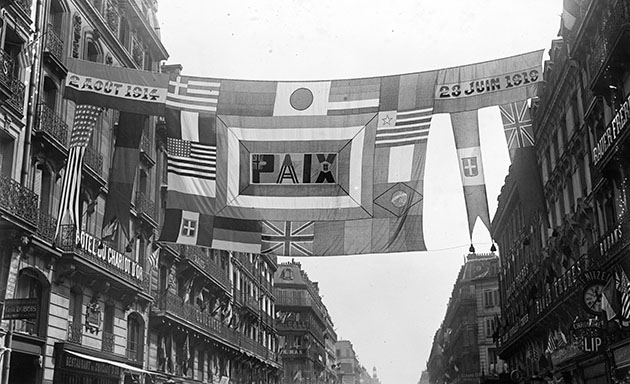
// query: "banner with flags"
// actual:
[[85, 118], [298, 168]]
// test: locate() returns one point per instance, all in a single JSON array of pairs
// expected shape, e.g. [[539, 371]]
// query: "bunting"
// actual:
[[301, 168]]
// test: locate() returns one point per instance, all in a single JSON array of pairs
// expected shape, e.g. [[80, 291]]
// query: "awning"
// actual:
[[115, 363]]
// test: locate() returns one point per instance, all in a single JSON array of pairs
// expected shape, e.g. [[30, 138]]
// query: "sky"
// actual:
[[388, 306]]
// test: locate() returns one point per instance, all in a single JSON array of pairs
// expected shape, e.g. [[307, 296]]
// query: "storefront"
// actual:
[[77, 367]]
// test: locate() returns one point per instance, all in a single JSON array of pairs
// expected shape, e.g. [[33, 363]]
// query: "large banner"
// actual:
[[124, 89], [496, 82], [300, 168]]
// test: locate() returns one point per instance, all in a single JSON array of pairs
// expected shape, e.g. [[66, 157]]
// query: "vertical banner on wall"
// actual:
[[123, 172], [466, 132], [85, 117]]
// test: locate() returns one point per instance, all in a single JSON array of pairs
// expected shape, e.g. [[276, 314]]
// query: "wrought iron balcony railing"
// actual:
[[145, 206], [53, 44], [18, 200], [200, 257], [46, 225], [94, 160], [108, 342], [175, 305], [51, 123], [25, 6], [17, 95], [75, 332], [86, 244], [6, 75]]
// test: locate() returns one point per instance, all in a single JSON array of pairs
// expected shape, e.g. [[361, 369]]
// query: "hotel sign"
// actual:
[[613, 131], [110, 256]]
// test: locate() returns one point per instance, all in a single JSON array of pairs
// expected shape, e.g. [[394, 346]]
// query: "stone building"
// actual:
[[463, 350]]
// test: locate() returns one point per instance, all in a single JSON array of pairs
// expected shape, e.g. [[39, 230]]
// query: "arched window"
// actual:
[[135, 334], [93, 52], [31, 284]]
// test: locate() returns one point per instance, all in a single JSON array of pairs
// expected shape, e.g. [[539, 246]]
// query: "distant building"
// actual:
[[305, 330], [463, 350]]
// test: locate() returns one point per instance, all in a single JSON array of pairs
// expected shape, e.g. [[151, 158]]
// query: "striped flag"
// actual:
[[187, 158], [85, 117], [396, 128], [153, 258], [517, 125], [623, 286], [193, 94]]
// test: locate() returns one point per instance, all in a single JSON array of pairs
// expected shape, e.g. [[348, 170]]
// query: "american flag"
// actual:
[[85, 118], [188, 158], [403, 127], [194, 94], [288, 238], [623, 286], [153, 258], [517, 124]]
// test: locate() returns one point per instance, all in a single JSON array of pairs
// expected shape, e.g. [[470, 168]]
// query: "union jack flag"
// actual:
[[288, 238], [517, 125]]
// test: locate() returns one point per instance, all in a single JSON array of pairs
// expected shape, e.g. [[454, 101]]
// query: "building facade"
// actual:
[[463, 350], [126, 308], [568, 281], [305, 329]]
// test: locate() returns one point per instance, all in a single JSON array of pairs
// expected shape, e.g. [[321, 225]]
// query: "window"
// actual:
[[287, 274], [135, 333], [6, 154], [108, 328], [489, 326], [490, 298]]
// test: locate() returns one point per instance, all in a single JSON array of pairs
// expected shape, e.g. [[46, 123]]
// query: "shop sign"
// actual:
[[78, 364], [109, 255], [613, 131], [93, 317], [21, 309], [591, 344]]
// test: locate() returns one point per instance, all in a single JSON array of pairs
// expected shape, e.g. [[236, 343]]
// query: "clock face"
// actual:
[[592, 297]]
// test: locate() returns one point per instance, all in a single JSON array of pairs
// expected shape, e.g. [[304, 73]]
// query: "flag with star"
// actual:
[[85, 118], [517, 125]]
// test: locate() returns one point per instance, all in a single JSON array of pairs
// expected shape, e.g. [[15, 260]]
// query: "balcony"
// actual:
[[24, 6], [146, 150], [107, 344], [89, 256], [202, 261], [145, 208], [46, 225], [612, 242], [16, 100], [51, 127], [562, 287], [169, 303], [53, 52], [75, 333], [610, 39], [93, 162], [18, 201]]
